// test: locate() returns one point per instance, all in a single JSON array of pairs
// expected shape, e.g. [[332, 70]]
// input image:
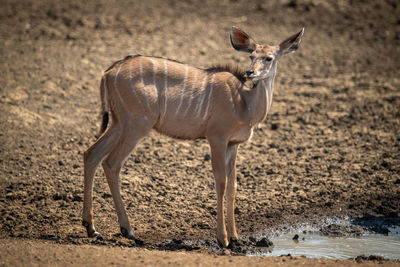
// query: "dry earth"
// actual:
[[330, 145]]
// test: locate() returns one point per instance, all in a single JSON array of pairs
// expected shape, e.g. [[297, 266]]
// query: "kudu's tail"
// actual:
[[105, 108]]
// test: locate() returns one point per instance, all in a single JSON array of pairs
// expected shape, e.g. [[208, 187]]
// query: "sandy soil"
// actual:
[[330, 145], [30, 253]]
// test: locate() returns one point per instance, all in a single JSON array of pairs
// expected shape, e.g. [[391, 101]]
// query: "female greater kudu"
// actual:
[[144, 93]]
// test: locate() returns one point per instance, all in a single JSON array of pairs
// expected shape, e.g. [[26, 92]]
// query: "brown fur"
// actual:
[[237, 71]]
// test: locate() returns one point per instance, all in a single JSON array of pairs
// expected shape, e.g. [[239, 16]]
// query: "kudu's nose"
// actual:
[[249, 73]]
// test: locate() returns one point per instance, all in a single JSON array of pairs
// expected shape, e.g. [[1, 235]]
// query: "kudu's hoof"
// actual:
[[222, 244], [233, 243], [127, 234], [91, 232]]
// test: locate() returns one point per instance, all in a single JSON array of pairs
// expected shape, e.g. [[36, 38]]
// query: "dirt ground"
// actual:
[[330, 145]]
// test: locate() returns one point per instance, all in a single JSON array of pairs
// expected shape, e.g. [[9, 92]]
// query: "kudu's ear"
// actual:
[[241, 41], [291, 44]]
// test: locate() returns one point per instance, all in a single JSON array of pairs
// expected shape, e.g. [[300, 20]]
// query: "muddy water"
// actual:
[[312, 244]]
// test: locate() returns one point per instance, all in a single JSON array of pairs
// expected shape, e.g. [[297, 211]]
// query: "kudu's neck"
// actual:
[[257, 100]]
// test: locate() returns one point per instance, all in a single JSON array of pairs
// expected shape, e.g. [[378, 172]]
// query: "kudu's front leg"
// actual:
[[231, 194], [218, 158]]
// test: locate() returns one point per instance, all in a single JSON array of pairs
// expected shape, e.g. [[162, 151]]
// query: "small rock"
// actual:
[[139, 242], [77, 198], [58, 196], [264, 242], [385, 164], [106, 195], [274, 126], [296, 237], [226, 252]]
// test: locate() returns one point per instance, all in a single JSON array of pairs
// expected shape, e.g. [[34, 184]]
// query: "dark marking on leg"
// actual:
[[126, 234], [90, 230]]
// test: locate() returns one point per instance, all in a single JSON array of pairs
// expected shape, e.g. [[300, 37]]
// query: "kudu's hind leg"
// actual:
[[130, 136], [92, 158], [231, 192]]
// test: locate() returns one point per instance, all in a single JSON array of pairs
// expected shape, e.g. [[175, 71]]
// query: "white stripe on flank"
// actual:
[[202, 95], [165, 88], [183, 88], [116, 75], [154, 79], [141, 71], [142, 81], [131, 85], [209, 96], [191, 92]]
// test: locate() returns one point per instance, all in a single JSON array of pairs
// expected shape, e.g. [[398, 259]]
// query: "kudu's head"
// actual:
[[263, 57]]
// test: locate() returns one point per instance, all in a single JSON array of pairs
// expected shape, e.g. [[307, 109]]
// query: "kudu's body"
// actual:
[[144, 93]]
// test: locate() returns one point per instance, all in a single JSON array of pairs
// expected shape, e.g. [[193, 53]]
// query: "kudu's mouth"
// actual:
[[249, 74]]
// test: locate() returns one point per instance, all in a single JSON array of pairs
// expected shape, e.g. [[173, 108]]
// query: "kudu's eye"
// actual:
[[251, 57], [268, 58]]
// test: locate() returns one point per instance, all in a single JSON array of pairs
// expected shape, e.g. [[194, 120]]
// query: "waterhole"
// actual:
[[342, 240]]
